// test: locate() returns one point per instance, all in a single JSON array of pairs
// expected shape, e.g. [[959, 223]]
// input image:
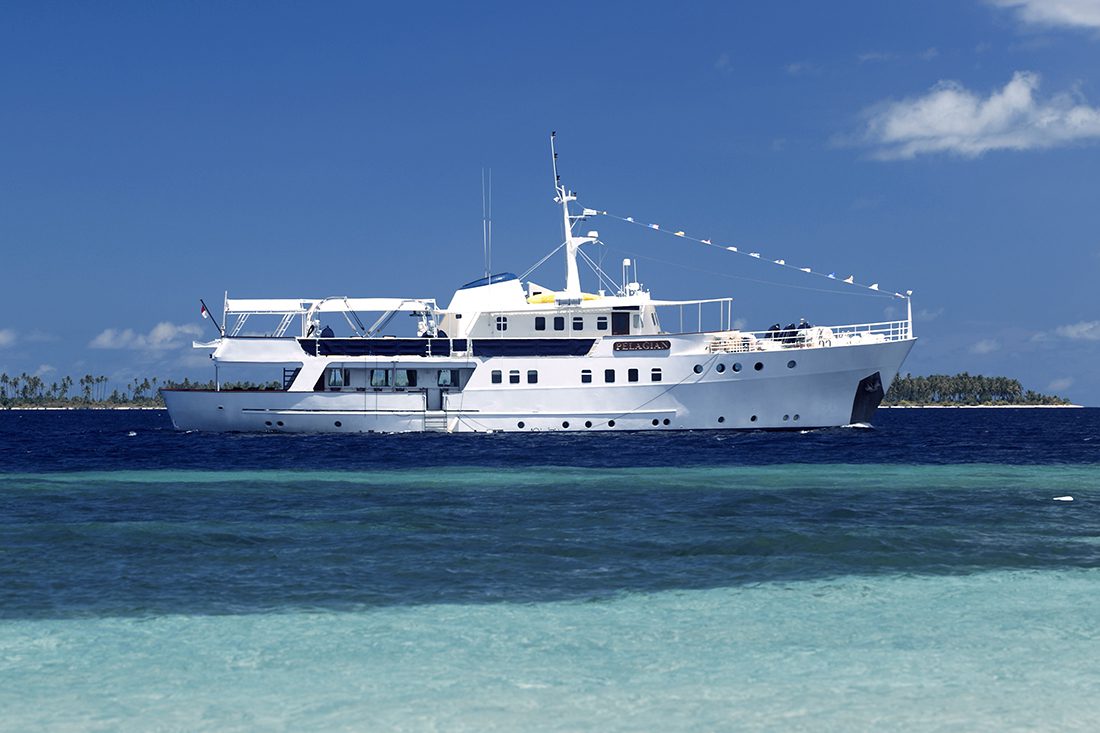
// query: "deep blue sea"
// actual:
[[917, 576]]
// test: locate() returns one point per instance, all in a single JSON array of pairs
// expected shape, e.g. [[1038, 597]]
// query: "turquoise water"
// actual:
[[992, 651], [915, 577]]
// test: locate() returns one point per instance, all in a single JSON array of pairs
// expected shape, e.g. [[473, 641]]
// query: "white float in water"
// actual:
[[1063, 498]]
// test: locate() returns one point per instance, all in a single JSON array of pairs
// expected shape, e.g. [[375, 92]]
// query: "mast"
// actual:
[[572, 243]]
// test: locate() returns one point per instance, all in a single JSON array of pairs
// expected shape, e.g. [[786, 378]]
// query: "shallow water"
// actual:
[[917, 576]]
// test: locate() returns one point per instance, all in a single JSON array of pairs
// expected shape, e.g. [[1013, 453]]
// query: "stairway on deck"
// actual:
[[435, 421]]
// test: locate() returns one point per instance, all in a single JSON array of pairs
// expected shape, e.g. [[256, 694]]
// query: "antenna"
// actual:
[[487, 221], [554, 161]]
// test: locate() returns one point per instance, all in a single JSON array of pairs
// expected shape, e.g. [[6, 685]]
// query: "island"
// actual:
[[965, 390]]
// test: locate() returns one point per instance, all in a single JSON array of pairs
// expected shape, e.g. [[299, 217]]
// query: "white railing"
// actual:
[[810, 337]]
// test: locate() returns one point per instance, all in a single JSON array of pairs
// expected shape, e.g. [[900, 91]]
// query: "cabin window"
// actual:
[[632, 375], [379, 377], [404, 377], [532, 376], [540, 323], [447, 378], [578, 323], [609, 375], [637, 321], [339, 377], [502, 323], [655, 375], [653, 317], [496, 376], [513, 376], [601, 323], [559, 323], [586, 376]]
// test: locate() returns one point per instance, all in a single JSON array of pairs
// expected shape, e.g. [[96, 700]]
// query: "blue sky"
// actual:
[[155, 154]]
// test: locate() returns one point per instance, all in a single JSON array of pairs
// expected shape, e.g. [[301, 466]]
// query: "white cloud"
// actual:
[[928, 54], [925, 314], [952, 119], [7, 337], [798, 68], [1071, 13], [1083, 331], [985, 346], [1060, 384], [874, 56], [723, 64], [44, 369], [164, 335]]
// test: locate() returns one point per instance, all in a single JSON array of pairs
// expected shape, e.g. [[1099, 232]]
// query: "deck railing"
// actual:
[[810, 337]]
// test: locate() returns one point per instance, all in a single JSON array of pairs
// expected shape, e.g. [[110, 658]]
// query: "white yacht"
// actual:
[[507, 355]]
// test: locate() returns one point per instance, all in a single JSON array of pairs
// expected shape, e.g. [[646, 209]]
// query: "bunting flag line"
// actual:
[[850, 280]]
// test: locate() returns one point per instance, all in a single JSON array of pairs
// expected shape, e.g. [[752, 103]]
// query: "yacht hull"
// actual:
[[785, 389]]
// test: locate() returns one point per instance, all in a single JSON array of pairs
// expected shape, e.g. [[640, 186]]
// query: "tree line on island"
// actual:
[[29, 390], [964, 390], [97, 391]]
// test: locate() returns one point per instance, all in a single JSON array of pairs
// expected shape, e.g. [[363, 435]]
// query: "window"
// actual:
[[496, 376], [380, 377], [502, 323], [720, 368], [737, 366], [559, 323], [586, 376], [578, 323], [653, 317], [655, 375], [404, 377], [632, 375], [447, 378], [637, 321], [339, 377], [532, 376], [601, 323], [609, 375], [540, 323], [698, 368], [792, 364], [758, 365], [513, 376]]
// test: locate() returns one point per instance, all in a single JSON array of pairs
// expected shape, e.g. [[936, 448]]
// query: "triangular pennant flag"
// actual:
[[679, 234], [804, 269], [754, 254], [832, 276], [732, 249], [780, 262], [874, 286], [850, 279], [654, 226], [705, 241]]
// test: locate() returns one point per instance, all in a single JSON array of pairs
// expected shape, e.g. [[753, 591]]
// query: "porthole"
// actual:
[[667, 421], [565, 424], [796, 416], [267, 423], [656, 421], [610, 423], [588, 423], [520, 425], [736, 366], [758, 365], [720, 368], [721, 419], [786, 418], [752, 419], [279, 423], [698, 368], [792, 364], [338, 424]]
